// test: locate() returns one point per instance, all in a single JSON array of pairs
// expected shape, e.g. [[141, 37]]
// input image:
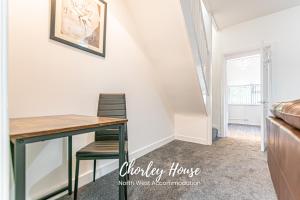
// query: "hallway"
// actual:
[[231, 169], [245, 132]]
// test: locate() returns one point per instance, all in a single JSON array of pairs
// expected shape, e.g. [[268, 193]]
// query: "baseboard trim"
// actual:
[[191, 139], [151, 147], [109, 167]]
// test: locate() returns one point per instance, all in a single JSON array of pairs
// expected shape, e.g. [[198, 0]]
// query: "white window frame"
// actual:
[[252, 95]]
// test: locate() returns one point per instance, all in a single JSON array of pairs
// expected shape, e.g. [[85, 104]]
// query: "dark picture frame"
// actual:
[[85, 47]]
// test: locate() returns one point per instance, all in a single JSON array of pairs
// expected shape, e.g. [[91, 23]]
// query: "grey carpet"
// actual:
[[230, 169], [248, 132]]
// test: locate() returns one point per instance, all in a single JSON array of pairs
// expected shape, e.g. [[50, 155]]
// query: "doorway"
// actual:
[[244, 97], [263, 56], [246, 91]]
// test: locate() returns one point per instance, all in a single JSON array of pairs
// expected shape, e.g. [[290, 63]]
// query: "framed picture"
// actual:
[[80, 24]]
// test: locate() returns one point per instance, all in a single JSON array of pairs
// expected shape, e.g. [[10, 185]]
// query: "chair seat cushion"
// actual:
[[105, 147]]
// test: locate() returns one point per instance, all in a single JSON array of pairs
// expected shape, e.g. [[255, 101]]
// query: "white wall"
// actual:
[[164, 36], [192, 128], [282, 32], [244, 114], [161, 28], [47, 78], [4, 136]]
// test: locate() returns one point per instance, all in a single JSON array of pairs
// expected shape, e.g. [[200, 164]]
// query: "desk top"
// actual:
[[21, 128]]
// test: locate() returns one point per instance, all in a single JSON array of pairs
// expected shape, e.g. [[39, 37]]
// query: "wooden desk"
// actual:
[[37, 129]]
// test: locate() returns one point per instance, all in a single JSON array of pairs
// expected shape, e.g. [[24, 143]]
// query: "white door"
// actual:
[[265, 91]]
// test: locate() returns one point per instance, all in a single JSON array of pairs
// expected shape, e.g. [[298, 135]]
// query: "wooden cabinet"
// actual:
[[284, 158]]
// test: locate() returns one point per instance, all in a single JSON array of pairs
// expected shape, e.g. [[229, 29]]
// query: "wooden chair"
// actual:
[[106, 145]]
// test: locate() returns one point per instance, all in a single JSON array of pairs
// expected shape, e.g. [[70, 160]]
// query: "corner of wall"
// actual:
[[192, 128]]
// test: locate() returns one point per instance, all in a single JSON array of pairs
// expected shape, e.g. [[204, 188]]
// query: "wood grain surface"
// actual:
[[21, 128]]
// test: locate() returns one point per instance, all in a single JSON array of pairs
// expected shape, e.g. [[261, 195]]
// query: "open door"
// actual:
[[266, 90]]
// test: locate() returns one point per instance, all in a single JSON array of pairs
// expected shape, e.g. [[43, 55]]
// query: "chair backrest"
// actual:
[[111, 105]]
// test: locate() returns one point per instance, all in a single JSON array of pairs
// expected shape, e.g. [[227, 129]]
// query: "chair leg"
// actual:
[[125, 190], [76, 179], [127, 159], [95, 166], [127, 175]]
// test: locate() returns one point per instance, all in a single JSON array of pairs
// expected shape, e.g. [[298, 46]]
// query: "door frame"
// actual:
[[224, 89], [266, 80], [4, 135]]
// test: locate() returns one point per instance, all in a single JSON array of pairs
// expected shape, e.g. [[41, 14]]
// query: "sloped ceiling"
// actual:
[[162, 31], [230, 12]]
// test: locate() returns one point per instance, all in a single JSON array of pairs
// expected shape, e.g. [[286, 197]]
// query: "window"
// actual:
[[244, 80], [245, 94]]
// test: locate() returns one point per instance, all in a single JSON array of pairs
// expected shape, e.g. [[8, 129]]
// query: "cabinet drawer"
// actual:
[[289, 162]]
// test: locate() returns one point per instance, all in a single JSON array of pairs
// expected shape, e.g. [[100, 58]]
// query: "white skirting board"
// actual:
[[191, 139], [108, 167]]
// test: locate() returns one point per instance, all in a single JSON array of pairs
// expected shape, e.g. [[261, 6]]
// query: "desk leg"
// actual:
[[122, 194], [70, 164], [20, 175], [12, 153]]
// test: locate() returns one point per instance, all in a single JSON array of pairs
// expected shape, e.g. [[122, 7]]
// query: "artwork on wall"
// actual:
[[80, 24]]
